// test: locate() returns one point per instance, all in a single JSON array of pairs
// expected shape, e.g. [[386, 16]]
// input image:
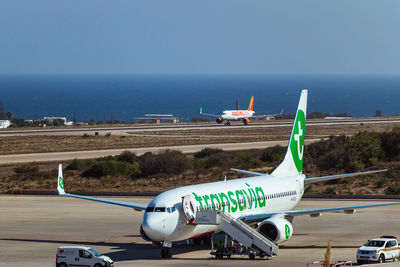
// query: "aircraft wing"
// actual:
[[293, 213], [248, 172], [338, 176], [267, 115], [61, 192], [208, 114], [135, 206]]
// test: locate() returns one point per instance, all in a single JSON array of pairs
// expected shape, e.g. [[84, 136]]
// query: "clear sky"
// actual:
[[199, 37]]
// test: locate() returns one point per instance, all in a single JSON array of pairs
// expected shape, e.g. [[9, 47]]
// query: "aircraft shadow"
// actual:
[[314, 246], [134, 251], [124, 251]]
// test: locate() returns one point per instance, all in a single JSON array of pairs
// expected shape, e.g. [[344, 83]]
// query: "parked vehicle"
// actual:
[[81, 256], [379, 250]]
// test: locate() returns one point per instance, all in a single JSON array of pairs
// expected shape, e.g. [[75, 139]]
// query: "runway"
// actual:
[[61, 156], [118, 130], [32, 227]]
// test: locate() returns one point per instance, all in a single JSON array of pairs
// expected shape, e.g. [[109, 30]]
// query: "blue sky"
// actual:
[[199, 37]]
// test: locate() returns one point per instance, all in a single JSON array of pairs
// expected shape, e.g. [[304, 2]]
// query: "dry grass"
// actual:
[[10, 182], [54, 143]]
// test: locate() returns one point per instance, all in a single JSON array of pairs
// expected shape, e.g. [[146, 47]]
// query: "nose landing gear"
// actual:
[[166, 252]]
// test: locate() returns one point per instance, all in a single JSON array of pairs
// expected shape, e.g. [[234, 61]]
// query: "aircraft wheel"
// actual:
[[228, 123], [252, 256], [166, 253], [63, 265]]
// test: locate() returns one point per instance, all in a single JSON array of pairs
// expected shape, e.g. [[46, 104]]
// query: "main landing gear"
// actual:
[[227, 123]]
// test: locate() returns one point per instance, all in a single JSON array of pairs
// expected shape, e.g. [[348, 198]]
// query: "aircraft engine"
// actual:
[[219, 120], [276, 228]]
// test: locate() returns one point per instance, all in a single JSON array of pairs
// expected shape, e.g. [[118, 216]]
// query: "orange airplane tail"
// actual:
[[251, 103]]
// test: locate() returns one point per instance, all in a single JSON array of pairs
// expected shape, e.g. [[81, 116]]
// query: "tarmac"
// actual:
[[32, 227], [125, 130]]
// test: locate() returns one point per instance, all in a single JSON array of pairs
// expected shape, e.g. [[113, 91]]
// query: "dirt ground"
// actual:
[[59, 143]]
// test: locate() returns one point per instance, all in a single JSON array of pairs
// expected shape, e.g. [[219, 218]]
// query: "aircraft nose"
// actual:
[[154, 226]]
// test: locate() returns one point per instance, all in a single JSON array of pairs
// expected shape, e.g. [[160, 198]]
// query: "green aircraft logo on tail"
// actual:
[[61, 182], [297, 140]]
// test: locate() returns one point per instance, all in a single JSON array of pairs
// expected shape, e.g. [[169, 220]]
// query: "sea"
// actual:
[[128, 96]]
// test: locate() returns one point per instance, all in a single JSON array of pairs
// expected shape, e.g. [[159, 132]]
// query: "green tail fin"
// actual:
[[293, 161]]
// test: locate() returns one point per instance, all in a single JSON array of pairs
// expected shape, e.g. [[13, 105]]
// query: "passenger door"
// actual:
[[85, 258]]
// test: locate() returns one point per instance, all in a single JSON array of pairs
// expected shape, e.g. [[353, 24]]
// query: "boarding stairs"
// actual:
[[238, 230]]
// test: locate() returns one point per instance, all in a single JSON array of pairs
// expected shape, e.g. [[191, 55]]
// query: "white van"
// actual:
[[81, 256]]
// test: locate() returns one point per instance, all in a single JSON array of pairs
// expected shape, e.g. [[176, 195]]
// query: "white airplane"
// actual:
[[263, 200], [237, 115]]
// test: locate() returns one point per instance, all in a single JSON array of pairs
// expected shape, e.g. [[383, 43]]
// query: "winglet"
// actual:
[[201, 110], [60, 184]]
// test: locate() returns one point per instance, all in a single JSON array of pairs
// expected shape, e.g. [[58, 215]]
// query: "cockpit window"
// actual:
[[171, 209], [149, 209], [159, 209]]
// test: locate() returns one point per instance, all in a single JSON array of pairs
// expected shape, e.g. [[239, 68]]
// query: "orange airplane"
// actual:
[[237, 115]]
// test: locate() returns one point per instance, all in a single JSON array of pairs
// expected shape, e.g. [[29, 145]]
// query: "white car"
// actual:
[[378, 250], [81, 256]]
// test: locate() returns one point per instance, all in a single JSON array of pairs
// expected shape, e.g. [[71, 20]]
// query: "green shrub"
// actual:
[[273, 153], [348, 153], [365, 181], [127, 156], [198, 163], [26, 168], [206, 152], [309, 190], [393, 189], [394, 171], [213, 162], [391, 144], [330, 190], [112, 168], [79, 164], [381, 182], [168, 162], [96, 171], [245, 161]]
